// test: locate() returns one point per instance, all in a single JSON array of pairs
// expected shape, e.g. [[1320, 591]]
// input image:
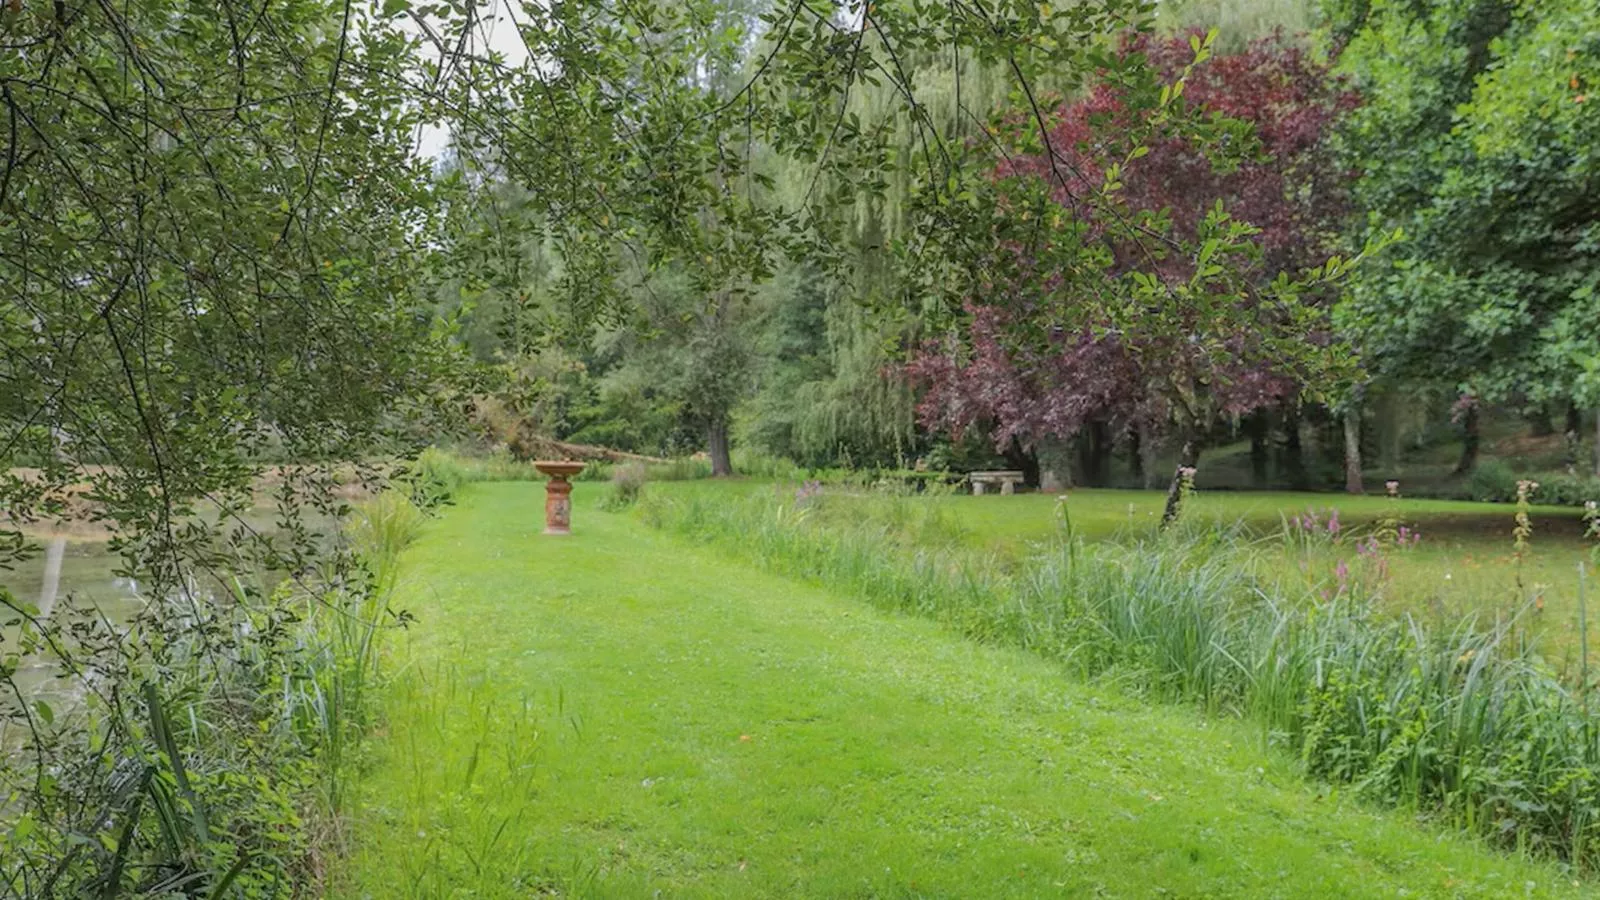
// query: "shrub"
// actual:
[[627, 486], [1568, 490], [195, 748], [1495, 482], [1492, 481]]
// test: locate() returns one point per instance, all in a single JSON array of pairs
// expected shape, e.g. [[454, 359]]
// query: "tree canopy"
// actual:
[[1478, 139], [1149, 273]]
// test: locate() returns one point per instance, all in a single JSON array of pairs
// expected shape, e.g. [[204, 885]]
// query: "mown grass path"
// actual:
[[618, 714]]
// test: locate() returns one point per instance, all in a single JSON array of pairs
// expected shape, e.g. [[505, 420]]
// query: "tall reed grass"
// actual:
[[1465, 724], [344, 639]]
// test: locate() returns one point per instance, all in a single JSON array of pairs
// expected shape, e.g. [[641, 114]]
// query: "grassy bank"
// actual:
[[1456, 718], [1463, 565], [620, 715]]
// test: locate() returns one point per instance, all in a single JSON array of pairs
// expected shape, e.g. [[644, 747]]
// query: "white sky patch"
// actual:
[[495, 31]]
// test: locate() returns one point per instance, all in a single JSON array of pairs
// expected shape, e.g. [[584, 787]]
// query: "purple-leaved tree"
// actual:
[[1156, 264]]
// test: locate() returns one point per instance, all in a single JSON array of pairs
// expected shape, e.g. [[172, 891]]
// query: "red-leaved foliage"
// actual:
[[1023, 370]]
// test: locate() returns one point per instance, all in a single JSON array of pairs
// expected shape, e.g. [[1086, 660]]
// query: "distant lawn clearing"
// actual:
[[1463, 564], [617, 714], [1003, 522]]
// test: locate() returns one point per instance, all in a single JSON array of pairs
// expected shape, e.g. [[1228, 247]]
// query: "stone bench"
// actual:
[[1008, 481]]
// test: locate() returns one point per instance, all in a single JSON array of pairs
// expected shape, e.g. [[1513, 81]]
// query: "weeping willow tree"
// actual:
[[1240, 21], [864, 412], [852, 403]]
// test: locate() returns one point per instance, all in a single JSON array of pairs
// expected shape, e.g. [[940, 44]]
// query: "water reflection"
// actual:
[[79, 578], [81, 574]]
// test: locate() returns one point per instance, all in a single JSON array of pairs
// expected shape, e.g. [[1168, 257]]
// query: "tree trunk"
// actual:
[[1294, 460], [1538, 419], [1094, 454], [1259, 427], [1388, 430], [1352, 449], [1055, 467], [1136, 455], [717, 447], [1470, 441], [1188, 457], [1023, 461], [1574, 435], [1148, 446]]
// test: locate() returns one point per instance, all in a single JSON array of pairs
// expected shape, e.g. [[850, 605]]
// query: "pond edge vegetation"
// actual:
[[210, 746]]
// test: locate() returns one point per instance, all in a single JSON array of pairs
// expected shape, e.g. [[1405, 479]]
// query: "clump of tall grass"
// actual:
[[435, 475], [438, 474], [684, 468], [765, 466], [379, 529], [596, 471], [340, 640], [1465, 724], [893, 508]]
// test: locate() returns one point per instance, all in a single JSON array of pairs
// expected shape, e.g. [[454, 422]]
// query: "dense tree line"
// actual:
[[1445, 145]]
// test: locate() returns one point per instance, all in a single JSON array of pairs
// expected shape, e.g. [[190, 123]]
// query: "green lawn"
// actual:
[[620, 714]]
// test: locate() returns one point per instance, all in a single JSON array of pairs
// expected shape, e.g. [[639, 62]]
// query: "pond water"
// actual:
[[82, 574], [85, 571]]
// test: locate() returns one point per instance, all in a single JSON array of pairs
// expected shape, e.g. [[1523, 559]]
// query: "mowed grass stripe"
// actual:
[[617, 714]]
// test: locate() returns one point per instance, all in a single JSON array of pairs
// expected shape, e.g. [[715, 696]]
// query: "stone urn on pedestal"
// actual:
[[558, 493]]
